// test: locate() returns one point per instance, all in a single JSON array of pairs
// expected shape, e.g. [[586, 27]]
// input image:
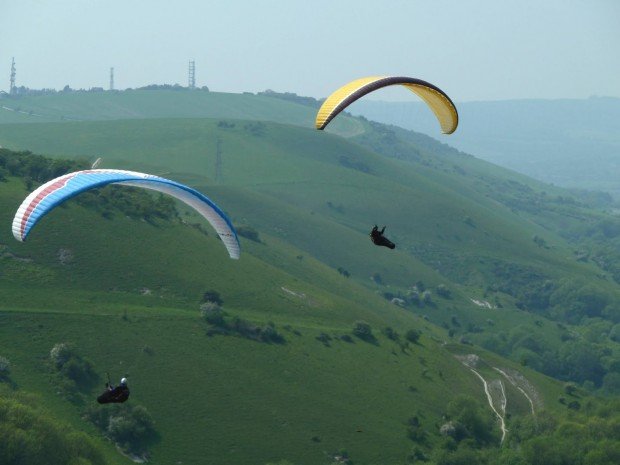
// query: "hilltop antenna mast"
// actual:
[[218, 161], [13, 89], [191, 81], [111, 78]]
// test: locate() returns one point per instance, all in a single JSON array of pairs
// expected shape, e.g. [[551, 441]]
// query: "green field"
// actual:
[[128, 296]]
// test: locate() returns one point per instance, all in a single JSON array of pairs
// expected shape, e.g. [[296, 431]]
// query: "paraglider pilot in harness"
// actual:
[[378, 238], [118, 394]]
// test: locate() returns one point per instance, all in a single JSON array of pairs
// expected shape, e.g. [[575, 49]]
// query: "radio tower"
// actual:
[[191, 81], [111, 78], [13, 89]]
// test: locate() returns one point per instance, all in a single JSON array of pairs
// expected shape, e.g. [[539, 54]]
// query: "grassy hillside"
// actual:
[[131, 104], [571, 143], [221, 398], [466, 224], [492, 239], [441, 213]]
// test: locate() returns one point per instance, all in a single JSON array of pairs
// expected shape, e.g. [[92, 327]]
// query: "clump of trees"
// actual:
[[467, 419], [5, 368], [589, 364], [73, 373], [35, 168], [132, 202], [415, 431], [362, 330], [343, 272], [324, 338], [588, 435], [417, 295], [413, 335], [212, 296], [31, 436], [131, 427], [220, 322], [443, 291], [176, 87], [293, 97], [256, 128], [249, 233]]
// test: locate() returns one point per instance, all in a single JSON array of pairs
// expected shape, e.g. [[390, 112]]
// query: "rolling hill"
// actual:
[[568, 142], [126, 293]]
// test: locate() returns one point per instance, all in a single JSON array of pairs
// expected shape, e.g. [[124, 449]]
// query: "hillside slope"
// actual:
[[264, 401], [571, 143], [480, 253]]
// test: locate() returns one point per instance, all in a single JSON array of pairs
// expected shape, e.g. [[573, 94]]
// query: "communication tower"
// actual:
[[111, 78], [191, 81], [13, 89]]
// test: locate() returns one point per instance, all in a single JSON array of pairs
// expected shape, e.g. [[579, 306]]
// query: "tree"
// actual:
[[363, 330], [413, 335], [391, 334], [131, 427], [443, 291], [5, 368], [212, 296], [29, 436], [212, 313], [477, 423], [611, 384]]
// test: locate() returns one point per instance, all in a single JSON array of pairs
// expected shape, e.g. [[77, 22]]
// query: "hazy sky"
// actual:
[[473, 50]]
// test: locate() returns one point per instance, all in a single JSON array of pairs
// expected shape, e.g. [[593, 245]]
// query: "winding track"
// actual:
[[490, 399], [513, 382]]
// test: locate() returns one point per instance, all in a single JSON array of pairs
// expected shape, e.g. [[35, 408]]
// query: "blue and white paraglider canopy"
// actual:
[[51, 194]]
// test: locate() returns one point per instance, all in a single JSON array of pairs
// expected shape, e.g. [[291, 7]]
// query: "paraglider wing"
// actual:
[[44, 199], [435, 98], [117, 395]]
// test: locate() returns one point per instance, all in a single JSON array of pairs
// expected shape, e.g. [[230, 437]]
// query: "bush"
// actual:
[[413, 297], [363, 330], [215, 316], [324, 338], [60, 354], [611, 384], [249, 233], [471, 420], [343, 272], [413, 335], [391, 334], [74, 371], [570, 389], [30, 435], [212, 313], [131, 427], [212, 296], [415, 432], [268, 333], [5, 367], [443, 291]]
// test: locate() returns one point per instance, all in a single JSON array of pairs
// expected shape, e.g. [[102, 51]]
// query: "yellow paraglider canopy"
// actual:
[[435, 98]]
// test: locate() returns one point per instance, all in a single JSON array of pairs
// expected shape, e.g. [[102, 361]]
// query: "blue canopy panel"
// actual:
[[51, 194]]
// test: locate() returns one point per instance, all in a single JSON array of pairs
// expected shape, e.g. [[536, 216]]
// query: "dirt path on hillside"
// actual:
[[514, 382], [503, 403]]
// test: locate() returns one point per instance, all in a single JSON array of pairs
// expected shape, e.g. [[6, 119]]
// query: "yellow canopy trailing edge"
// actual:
[[435, 98]]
